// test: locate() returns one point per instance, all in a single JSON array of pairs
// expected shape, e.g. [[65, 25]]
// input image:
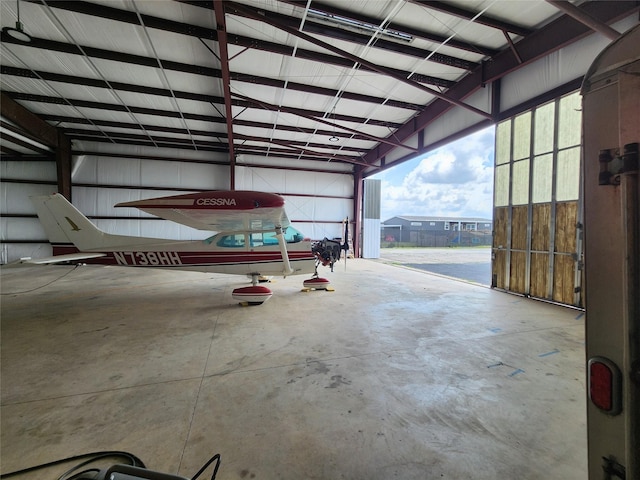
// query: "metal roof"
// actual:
[[331, 85]]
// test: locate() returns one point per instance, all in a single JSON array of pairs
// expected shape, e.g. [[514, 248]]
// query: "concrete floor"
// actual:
[[472, 264], [395, 374]]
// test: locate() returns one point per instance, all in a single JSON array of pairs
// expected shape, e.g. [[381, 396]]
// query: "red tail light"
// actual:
[[605, 386]]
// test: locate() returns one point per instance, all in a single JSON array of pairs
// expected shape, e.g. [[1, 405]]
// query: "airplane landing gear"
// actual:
[[253, 295], [317, 283]]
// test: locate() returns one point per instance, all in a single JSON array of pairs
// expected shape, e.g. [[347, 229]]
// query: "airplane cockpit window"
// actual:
[[257, 239], [260, 239], [231, 241]]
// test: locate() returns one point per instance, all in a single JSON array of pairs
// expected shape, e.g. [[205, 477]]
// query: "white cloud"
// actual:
[[454, 180]]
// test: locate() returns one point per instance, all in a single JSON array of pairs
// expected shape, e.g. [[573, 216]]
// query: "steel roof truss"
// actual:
[[255, 14], [558, 33], [331, 10], [275, 108], [469, 14]]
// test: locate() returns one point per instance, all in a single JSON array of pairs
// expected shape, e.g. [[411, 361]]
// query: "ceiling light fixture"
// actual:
[[18, 32], [346, 23], [334, 138]]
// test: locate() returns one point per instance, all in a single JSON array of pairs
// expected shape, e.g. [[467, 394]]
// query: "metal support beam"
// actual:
[[28, 121], [513, 47], [17, 136], [469, 14], [63, 165], [496, 89], [358, 182], [221, 27], [50, 136], [584, 18]]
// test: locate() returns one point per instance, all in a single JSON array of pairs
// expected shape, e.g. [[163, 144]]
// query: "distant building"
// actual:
[[436, 231]]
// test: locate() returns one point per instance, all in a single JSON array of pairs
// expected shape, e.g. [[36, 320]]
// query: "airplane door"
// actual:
[[611, 133]]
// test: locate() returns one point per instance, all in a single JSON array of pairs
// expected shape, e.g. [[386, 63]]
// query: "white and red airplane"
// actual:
[[254, 238]]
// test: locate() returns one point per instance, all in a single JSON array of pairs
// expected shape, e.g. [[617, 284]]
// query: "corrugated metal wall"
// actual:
[[371, 219], [20, 231], [316, 203]]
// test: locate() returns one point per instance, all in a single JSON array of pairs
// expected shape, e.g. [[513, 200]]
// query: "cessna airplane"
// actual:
[[254, 238]]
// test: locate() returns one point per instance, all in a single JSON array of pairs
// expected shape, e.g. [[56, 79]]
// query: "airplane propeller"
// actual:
[[345, 245]]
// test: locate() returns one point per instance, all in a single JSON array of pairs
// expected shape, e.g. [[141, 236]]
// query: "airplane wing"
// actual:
[[71, 257], [219, 210]]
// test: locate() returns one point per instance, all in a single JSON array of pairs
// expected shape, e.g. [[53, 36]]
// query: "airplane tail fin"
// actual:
[[64, 223]]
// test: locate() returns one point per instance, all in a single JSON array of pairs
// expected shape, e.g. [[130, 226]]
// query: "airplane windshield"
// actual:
[[291, 235], [259, 239]]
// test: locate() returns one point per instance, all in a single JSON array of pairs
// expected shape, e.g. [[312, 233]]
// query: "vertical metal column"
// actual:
[[552, 213], [527, 279], [507, 280]]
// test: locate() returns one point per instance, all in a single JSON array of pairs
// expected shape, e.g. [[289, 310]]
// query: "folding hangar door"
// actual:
[[537, 247]]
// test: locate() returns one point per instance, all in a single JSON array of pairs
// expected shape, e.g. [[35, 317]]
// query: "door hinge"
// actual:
[[613, 469]]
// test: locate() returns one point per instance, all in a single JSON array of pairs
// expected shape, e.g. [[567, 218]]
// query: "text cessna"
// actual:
[[147, 258], [216, 202]]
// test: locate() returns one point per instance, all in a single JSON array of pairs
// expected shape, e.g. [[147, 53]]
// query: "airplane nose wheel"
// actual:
[[317, 283], [253, 295]]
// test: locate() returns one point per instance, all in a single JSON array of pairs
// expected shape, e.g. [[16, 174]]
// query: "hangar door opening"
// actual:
[[537, 243]]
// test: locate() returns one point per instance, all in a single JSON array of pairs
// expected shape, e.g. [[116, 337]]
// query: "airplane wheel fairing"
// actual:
[[254, 295], [317, 283]]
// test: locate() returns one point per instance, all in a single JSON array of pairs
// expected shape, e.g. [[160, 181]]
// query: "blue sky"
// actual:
[[453, 181]]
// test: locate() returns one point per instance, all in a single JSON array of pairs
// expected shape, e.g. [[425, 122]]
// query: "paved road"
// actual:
[[469, 264]]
